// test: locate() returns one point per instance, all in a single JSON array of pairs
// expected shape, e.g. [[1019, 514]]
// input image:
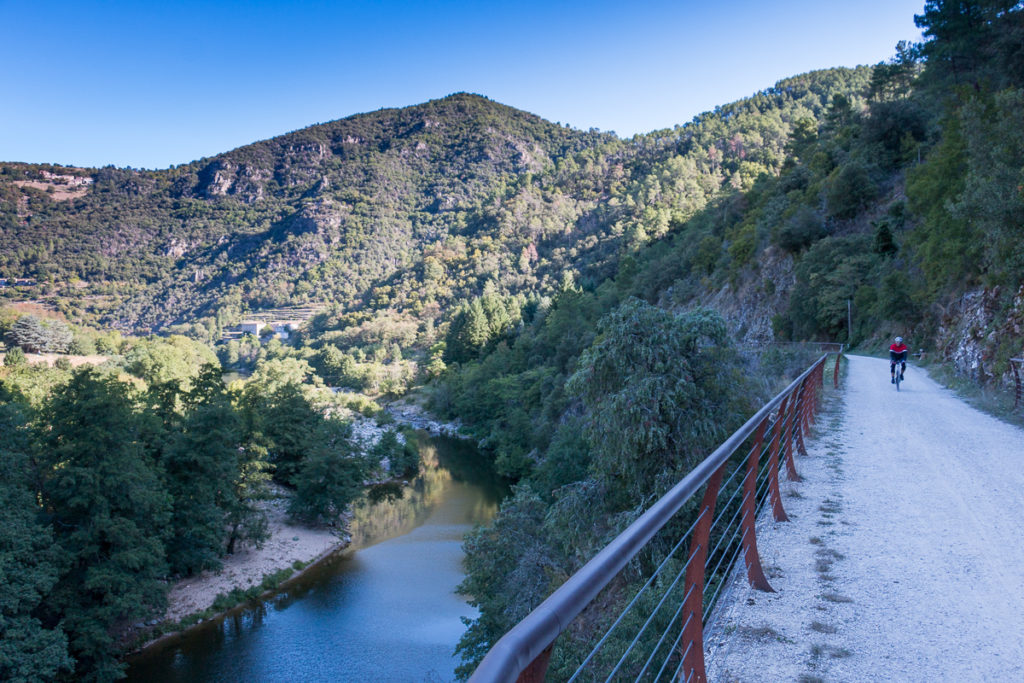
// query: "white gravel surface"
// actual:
[[903, 559]]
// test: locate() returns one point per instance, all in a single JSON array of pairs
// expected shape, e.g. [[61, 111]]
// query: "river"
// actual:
[[385, 609]]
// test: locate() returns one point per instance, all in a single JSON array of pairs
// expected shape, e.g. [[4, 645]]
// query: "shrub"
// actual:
[[15, 357], [850, 190]]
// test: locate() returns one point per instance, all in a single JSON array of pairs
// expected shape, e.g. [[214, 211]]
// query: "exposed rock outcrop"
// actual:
[[978, 330]]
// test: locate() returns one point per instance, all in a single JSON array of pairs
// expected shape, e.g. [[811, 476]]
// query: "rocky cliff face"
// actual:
[[980, 332], [223, 178], [749, 305]]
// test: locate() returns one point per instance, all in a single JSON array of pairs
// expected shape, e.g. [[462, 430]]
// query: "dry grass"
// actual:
[[59, 193], [51, 358]]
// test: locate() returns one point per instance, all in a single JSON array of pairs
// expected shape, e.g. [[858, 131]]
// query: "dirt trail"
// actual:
[[903, 560]]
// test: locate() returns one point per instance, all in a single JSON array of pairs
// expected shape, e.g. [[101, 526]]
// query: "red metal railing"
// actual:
[[777, 430]]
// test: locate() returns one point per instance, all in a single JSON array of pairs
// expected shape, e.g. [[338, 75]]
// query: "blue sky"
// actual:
[[152, 84]]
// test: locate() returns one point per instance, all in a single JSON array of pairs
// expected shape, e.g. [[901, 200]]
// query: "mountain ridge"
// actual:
[[335, 211]]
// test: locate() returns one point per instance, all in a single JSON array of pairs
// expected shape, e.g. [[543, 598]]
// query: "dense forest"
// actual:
[[148, 468], [578, 301]]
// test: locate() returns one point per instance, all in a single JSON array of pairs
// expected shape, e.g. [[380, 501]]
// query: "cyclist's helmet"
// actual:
[[899, 340]]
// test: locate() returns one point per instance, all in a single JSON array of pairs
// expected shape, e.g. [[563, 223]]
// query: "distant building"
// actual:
[[284, 328], [252, 327], [278, 322], [18, 282]]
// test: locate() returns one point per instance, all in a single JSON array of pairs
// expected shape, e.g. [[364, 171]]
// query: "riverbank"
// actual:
[[385, 608], [288, 544], [409, 411], [290, 550]]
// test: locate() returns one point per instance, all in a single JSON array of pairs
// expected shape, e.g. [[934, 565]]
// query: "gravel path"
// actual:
[[903, 560]]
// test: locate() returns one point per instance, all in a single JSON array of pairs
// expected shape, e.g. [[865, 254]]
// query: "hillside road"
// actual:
[[904, 556]]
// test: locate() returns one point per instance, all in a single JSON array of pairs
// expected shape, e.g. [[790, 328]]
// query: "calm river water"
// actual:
[[385, 610]]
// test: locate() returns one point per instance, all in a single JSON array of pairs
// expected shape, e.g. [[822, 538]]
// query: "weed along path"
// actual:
[[903, 558]]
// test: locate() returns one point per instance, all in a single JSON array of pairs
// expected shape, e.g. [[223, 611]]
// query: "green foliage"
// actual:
[[201, 460], [117, 483], [330, 476], [652, 388], [15, 358], [974, 43], [280, 420], [34, 335], [403, 458], [898, 130], [567, 459], [850, 190], [479, 246], [894, 80], [30, 563], [992, 201], [802, 229], [507, 567], [477, 324], [826, 278], [109, 513], [950, 248], [159, 360]]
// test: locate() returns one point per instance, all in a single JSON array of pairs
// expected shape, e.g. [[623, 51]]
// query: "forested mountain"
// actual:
[[575, 299], [407, 209]]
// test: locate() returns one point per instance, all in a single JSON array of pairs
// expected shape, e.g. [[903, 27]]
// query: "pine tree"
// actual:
[[109, 512], [30, 563], [332, 474]]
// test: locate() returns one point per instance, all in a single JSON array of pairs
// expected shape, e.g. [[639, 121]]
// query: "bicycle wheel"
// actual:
[[898, 380]]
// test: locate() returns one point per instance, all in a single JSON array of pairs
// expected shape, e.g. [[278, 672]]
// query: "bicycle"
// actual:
[[898, 366]]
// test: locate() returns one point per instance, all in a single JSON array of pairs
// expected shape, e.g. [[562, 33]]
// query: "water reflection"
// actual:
[[386, 612]]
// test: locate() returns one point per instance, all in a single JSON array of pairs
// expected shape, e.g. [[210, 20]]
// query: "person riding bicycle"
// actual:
[[897, 354]]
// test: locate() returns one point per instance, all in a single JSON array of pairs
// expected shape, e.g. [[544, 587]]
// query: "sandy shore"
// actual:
[[287, 544]]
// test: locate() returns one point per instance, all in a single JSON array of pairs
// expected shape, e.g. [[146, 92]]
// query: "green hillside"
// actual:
[[399, 209], [585, 305]]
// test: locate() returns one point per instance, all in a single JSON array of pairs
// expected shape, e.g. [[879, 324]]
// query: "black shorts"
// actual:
[[895, 357]]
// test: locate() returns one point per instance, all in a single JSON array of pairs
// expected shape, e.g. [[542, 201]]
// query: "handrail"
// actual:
[[522, 652]]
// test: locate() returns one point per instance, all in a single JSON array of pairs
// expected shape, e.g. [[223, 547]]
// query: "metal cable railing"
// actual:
[[725, 556], [714, 542]]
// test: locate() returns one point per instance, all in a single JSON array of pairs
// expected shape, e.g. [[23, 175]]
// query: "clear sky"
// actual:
[[152, 83]]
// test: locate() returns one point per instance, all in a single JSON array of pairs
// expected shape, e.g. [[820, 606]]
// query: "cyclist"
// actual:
[[897, 354]]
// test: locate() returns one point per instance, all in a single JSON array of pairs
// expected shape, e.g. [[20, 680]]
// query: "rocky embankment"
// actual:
[[413, 415]]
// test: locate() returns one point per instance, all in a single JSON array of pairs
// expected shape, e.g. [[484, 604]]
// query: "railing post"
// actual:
[[755, 573], [835, 372], [801, 418], [1016, 381], [693, 606], [819, 382], [812, 400], [538, 668], [797, 405], [773, 463]]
